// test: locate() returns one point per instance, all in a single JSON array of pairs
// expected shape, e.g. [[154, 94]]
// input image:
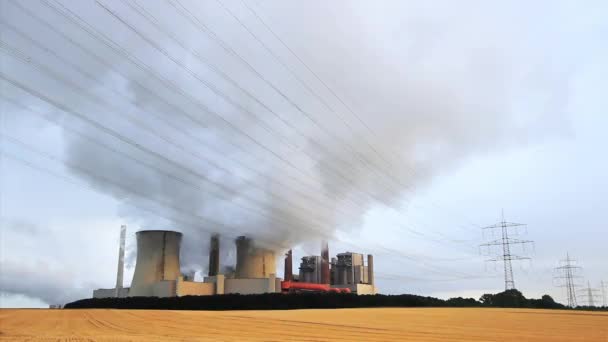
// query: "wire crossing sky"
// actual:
[[394, 128]]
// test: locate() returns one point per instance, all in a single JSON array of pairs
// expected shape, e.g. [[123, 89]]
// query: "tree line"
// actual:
[[278, 301]]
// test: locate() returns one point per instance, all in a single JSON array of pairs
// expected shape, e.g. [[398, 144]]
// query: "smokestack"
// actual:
[[157, 260], [252, 262], [370, 269], [121, 259], [324, 263], [214, 255], [288, 266]]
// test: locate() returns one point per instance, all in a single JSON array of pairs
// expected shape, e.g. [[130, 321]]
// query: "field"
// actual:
[[415, 324]]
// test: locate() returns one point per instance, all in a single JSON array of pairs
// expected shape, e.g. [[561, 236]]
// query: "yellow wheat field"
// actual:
[[408, 324]]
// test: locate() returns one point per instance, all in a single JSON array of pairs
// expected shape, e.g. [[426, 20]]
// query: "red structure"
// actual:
[[291, 286]]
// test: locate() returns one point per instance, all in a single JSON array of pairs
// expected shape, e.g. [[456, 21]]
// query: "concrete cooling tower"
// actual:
[[252, 262], [157, 261]]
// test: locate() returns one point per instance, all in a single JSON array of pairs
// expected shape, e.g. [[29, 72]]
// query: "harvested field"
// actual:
[[413, 324]]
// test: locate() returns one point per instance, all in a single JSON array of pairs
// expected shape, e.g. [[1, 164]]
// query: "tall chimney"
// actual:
[[370, 269], [324, 263], [121, 259], [214, 255], [288, 266]]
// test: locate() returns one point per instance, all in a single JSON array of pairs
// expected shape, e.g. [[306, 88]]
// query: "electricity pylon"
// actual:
[[567, 274], [505, 242], [590, 294]]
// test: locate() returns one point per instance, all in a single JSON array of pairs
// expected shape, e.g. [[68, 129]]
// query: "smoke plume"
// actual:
[[182, 148]]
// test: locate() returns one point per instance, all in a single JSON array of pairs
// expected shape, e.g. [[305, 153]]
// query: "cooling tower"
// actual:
[[157, 260], [252, 262]]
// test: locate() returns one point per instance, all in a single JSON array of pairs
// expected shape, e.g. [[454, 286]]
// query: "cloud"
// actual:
[[19, 226], [40, 280]]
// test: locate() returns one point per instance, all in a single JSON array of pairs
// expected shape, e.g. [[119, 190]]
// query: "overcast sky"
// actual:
[[395, 128]]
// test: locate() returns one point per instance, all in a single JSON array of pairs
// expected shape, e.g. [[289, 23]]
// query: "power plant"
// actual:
[[157, 270]]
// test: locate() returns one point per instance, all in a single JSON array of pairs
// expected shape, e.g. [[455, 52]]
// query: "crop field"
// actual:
[[394, 324]]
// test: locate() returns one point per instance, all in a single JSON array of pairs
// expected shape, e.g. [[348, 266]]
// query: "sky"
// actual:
[[396, 128]]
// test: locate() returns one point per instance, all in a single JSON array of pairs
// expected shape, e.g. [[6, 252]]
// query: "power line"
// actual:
[[114, 134], [137, 160], [166, 82], [145, 164], [169, 123], [134, 143], [430, 267], [35, 95], [259, 18], [206, 30], [102, 40], [198, 218], [75, 18], [567, 273], [155, 22], [399, 277], [143, 149], [336, 171], [148, 91], [413, 172], [126, 189], [284, 160], [505, 242], [320, 99]]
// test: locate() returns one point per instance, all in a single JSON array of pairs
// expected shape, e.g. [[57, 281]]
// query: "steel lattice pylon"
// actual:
[[505, 242], [567, 273]]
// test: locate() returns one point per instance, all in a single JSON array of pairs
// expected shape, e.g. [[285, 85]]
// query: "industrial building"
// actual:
[[346, 271], [157, 270]]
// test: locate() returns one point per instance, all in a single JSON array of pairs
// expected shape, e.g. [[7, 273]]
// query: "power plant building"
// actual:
[[348, 270], [157, 270], [310, 269]]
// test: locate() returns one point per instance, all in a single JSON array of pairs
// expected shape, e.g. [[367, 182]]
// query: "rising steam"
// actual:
[[434, 98]]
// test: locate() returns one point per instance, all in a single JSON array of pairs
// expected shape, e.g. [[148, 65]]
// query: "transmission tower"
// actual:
[[566, 276], [590, 294], [506, 242]]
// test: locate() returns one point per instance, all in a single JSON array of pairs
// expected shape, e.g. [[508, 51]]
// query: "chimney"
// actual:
[[324, 263], [288, 266], [370, 269], [214, 255], [243, 245], [157, 260], [121, 259]]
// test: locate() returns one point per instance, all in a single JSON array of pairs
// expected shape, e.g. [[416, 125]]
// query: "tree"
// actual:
[[487, 299]]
